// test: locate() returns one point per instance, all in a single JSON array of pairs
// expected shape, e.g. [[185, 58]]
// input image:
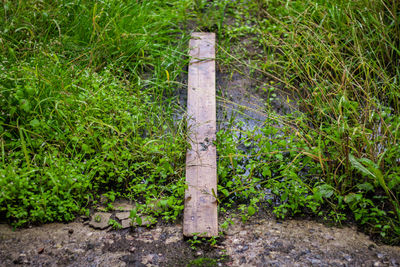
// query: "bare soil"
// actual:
[[258, 242]]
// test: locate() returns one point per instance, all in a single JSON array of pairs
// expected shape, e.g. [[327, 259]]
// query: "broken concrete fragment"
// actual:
[[126, 223], [100, 220], [123, 206], [122, 215]]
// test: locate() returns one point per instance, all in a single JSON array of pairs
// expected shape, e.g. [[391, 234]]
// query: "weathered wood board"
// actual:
[[200, 215]]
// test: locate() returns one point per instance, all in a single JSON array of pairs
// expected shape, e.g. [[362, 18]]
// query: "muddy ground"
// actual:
[[261, 241]]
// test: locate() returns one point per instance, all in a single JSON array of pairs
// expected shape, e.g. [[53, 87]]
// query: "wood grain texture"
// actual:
[[200, 215]]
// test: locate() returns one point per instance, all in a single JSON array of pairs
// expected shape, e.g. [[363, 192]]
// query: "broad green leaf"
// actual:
[[251, 210], [365, 187], [34, 123], [266, 172], [351, 198], [358, 166]]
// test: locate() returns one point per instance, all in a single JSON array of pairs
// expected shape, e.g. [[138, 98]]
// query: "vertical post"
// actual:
[[201, 215]]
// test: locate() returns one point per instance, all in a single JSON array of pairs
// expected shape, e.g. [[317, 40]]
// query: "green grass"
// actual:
[[339, 158], [87, 97], [88, 104]]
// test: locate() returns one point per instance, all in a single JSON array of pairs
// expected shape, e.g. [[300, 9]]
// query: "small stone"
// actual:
[[151, 258], [172, 239], [199, 253], [70, 231], [122, 215], [40, 250], [243, 233], [315, 261], [100, 220], [347, 257], [90, 258], [132, 249], [377, 264], [126, 223], [90, 245], [122, 206], [379, 255], [21, 259], [129, 237]]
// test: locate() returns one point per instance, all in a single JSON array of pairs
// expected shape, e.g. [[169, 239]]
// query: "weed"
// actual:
[[340, 155], [114, 224], [205, 262], [196, 240], [80, 113], [87, 108]]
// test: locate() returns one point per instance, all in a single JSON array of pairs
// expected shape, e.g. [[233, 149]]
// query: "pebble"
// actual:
[[347, 257], [243, 233], [172, 239], [315, 261]]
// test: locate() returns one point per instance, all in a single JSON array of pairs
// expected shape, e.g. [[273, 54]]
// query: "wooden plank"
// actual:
[[201, 215]]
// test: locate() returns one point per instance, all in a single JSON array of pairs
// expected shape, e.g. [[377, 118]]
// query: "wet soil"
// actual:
[[261, 241]]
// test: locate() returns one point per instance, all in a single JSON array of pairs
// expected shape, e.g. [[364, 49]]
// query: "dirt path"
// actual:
[[259, 242]]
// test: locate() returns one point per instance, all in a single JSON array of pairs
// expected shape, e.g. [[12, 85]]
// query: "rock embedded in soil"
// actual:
[[100, 220], [126, 223], [122, 215], [123, 206]]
